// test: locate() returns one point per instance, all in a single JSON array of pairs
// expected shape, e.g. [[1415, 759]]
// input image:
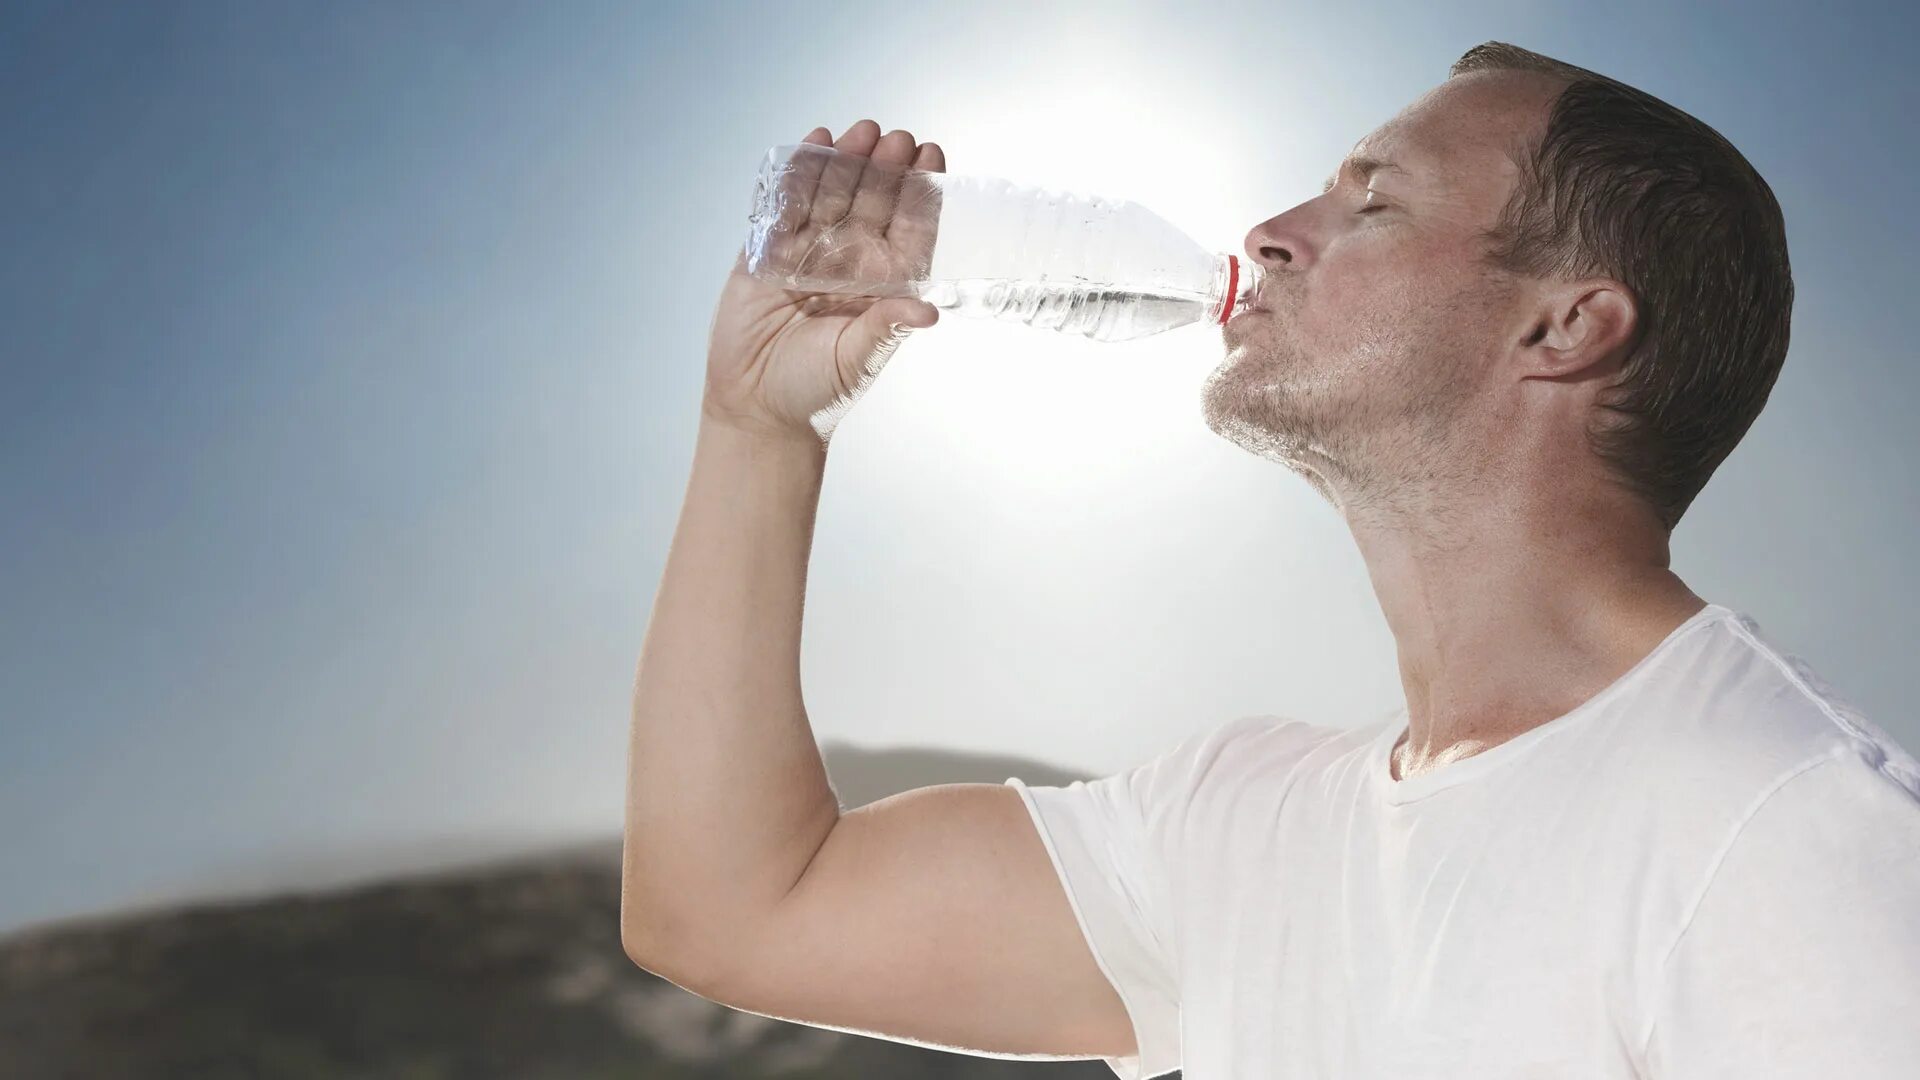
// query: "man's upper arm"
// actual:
[[934, 916], [1803, 956]]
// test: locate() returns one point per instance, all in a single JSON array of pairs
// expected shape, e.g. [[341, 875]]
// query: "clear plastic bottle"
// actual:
[[825, 221]]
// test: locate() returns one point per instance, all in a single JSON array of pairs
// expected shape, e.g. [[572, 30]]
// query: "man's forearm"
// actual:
[[727, 798]]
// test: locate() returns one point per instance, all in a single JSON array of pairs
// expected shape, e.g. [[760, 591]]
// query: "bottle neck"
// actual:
[[1236, 281]]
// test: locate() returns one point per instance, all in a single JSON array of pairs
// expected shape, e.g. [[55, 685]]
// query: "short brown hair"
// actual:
[[1622, 184]]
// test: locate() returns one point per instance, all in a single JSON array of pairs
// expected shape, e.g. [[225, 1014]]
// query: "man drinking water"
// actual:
[[1613, 833]]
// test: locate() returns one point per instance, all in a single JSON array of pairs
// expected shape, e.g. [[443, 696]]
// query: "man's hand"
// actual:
[[788, 364]]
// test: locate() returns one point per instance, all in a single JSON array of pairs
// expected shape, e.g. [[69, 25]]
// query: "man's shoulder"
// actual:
[[1266, 744], [1250, 764], [1742, 715], [1278, 733]]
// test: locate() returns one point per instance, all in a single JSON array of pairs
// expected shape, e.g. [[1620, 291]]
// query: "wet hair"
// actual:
[[1623, 185]]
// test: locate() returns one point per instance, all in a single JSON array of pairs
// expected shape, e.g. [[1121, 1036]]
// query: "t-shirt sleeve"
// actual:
[[1108, 841], [1802, 958]]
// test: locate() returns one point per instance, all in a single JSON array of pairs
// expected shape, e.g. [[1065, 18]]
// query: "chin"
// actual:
[[1238, 393], [1255, 399]]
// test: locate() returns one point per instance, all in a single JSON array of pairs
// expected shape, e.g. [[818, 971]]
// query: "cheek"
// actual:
[[1357, 295], [1387, 285]]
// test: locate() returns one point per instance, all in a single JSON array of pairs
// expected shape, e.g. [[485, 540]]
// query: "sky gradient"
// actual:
[[354, 356]]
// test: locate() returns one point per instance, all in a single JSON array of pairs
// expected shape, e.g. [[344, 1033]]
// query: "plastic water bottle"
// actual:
[[826, 221]]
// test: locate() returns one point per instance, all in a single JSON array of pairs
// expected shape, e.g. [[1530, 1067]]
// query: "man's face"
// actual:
[[1367, 359]]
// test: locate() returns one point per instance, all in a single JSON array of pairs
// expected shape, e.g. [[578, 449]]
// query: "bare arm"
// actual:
[[932, 916], [727, 796]]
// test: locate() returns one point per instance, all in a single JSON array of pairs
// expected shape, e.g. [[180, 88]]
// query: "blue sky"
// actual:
[[354, 354]]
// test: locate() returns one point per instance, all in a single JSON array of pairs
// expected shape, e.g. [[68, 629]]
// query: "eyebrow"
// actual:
[[1364, 167]]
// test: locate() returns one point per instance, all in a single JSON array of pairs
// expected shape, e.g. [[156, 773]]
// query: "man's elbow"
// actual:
[[656, 945], [640, 946], [642, 936]]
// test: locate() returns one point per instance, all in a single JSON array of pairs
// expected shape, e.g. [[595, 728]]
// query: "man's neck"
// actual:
[[1517, 614]]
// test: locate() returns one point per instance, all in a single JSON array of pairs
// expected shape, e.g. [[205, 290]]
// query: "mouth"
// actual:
[[1244, 283]]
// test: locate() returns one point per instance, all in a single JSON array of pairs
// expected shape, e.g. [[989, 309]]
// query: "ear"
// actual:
[[1579, 328]]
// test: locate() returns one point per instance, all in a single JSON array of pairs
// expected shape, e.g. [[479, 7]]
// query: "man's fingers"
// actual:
[[896, 149], [800, 180], [842, 175], [879, 188], [860, 138], [916, 214]]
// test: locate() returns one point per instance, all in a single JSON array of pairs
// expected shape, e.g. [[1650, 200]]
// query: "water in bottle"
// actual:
[[827, 221]]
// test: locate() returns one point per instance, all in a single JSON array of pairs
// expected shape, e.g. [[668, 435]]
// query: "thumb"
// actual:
[[877, 332], [903, 311]]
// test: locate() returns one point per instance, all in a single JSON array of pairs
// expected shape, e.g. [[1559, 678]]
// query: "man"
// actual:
[[1613, 832]]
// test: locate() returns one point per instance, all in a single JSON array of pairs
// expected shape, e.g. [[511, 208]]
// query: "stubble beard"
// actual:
[[1360, 426]]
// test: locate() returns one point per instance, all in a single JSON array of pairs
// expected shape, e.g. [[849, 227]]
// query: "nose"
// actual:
[[1277, 243]]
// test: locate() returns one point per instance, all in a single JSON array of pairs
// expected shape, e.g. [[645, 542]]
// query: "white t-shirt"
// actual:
[[1711, 868]]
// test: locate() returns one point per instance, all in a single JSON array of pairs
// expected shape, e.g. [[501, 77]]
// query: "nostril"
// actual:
[[1276, 254]]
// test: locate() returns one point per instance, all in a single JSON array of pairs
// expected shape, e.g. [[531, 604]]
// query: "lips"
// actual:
[[1258, 302]]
